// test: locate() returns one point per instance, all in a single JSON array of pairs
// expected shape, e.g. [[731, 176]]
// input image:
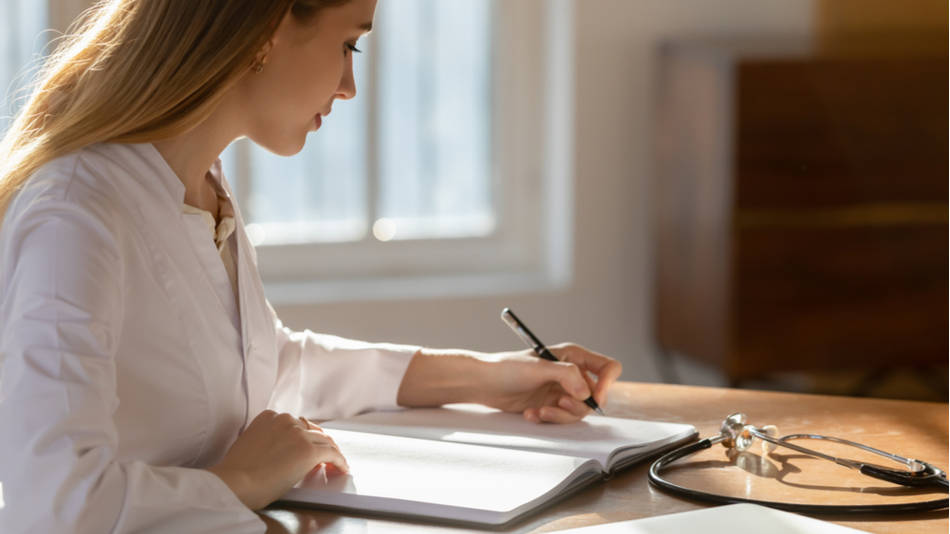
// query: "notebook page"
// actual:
[[594, 437], [435, 479]]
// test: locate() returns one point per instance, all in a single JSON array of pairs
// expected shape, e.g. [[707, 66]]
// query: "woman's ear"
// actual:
[[278, 35], [261, 57]]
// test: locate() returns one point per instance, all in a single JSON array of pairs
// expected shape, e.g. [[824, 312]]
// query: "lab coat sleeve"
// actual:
[[322, 376], [61, 306]]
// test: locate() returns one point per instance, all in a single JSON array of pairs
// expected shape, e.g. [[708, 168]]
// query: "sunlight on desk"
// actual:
[[915, 429]]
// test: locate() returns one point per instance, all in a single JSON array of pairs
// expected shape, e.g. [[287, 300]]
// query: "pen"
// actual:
[[542, 351]]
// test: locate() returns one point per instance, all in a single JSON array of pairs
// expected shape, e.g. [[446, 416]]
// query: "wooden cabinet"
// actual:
[[801, 206]]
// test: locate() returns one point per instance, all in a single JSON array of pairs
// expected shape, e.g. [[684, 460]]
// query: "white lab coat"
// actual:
[[123, 369]]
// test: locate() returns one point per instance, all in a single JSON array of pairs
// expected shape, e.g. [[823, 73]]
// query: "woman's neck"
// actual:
[[191, 156]]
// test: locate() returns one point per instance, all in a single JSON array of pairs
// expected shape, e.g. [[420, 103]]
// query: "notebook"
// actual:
[[728, 519], [473, 465]]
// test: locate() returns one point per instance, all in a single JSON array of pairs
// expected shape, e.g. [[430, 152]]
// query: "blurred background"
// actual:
[[734, 192]]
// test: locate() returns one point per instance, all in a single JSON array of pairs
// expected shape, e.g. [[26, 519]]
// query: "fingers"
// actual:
[[318, 435], [591, 382], [606, 369], [310, 426], [325, 448], [570, 378], [332, 470], [328, 453], [275, 451], [573, 406], [285, 420], [554, 414], [531, 414], [608, 375]]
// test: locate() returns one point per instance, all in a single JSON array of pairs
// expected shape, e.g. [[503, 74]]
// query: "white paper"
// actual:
[[594, 437], [730, 519], [449, 480]]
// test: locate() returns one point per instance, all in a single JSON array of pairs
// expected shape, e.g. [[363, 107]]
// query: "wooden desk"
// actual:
[[912, 429]]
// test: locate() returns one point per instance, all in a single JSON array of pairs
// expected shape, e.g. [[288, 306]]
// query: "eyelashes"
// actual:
[[352, 48]]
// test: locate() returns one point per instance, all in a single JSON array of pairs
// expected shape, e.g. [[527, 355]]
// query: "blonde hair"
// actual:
[[133, 71]]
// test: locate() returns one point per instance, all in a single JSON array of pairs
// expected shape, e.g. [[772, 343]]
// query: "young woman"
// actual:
[[146, 382]]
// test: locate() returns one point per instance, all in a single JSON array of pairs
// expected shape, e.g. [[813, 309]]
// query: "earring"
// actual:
[[259, 64]]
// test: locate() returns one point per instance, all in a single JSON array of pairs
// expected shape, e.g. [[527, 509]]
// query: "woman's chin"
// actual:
[[286, 148]]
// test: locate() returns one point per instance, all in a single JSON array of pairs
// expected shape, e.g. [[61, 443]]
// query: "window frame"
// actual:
[[530, 248]]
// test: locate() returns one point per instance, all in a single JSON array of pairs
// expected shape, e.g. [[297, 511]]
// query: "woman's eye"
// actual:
[[352, 48]]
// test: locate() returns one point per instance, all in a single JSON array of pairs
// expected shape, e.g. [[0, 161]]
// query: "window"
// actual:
[[432, 181], [409, 159], [449, 174], [21, 44]]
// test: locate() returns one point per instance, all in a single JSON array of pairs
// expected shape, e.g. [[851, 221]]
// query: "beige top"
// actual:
[[220, 231]]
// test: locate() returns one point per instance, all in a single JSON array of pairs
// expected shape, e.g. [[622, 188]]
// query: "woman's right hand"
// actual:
[[275, 452]]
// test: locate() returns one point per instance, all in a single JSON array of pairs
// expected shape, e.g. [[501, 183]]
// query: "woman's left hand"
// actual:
[[545, 391]]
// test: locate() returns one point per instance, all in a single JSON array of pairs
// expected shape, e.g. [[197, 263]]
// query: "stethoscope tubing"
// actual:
[[919, 474], [658, 481]]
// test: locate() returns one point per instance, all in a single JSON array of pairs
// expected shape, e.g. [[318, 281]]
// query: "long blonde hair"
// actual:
[[133, 71]]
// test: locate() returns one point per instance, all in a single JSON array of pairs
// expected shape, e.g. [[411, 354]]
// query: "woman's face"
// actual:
[[307, 67]]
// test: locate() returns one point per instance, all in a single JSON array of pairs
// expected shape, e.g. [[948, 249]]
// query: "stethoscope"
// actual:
[[737, 436]]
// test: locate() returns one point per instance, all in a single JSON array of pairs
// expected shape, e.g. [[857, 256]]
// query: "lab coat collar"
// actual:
[[136, 156]]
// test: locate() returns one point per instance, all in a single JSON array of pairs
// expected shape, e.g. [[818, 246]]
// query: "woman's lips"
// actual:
[[317, 121]]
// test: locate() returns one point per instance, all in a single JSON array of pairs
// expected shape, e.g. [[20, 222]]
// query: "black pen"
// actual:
[[532, 341]]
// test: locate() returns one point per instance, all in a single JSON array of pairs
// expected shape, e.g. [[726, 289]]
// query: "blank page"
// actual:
[[431, 478], [593, 437]]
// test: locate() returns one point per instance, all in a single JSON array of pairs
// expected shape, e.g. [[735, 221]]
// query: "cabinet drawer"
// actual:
[[840, 297], [829, 132]]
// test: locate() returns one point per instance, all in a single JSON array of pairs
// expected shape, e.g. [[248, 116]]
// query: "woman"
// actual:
[[146, 382]]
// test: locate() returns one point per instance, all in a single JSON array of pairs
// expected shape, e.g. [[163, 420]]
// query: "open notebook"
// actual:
[[470, 464]]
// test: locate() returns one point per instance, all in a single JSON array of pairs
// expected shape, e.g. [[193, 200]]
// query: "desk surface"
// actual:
[[911, 429]]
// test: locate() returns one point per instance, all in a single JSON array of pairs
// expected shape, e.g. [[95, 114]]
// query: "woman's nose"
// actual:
[[347, 88]]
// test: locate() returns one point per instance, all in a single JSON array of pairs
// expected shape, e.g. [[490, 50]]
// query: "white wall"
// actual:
[[608, 306]]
